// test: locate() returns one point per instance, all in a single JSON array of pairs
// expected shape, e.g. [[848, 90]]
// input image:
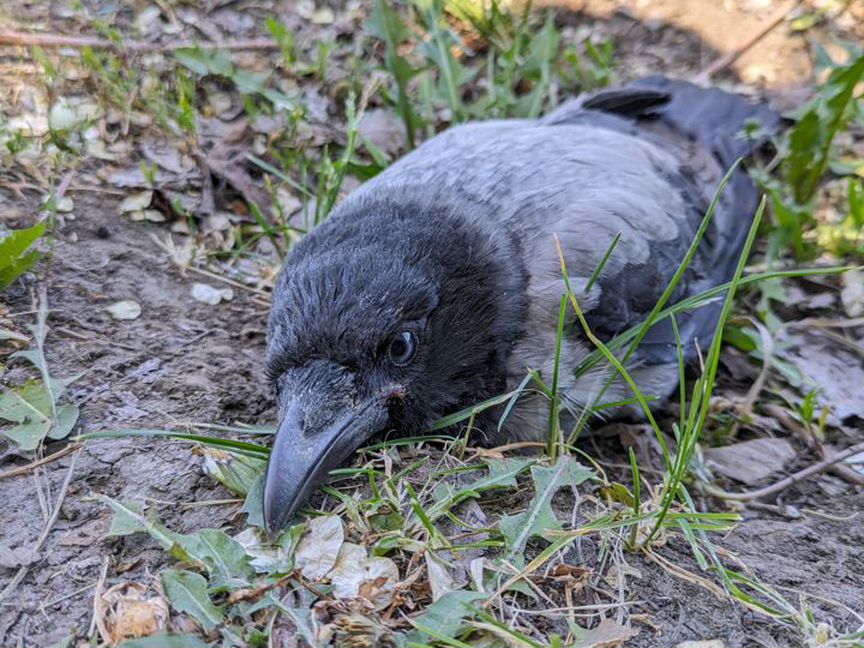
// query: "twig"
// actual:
[[21, 470], [227, 280], [54, 41], [98, 620], [22, 572], [791, 480], [813, 442], [723, 62]]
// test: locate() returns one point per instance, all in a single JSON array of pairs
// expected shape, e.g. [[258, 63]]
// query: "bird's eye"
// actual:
[[402, 348]]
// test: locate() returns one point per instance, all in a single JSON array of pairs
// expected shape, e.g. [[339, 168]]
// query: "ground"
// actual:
[[183, 361]]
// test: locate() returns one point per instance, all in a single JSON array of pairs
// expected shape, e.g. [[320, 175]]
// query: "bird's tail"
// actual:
[[720, 121], [724, 124], [681, 113]]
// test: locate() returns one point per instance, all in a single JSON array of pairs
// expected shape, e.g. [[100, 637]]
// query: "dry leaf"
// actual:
[[383, 129], [836, 371], [65, 205], [126, 612], [356, 576], [440, 579], [710, 643], [136, 202], [151, 215], [210, 295], [750, 461], [15, 558], [126, 309], [319, 547], [852, 294], [608, 634]]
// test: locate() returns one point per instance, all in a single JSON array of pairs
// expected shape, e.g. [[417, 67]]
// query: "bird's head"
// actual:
[[384, 318]]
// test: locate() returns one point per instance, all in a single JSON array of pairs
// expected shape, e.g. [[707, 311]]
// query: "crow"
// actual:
[[437, 284]]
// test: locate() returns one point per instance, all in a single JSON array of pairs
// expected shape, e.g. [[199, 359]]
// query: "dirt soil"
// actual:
[[182, 360]]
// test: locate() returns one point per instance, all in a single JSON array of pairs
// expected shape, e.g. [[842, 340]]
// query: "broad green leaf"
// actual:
[[33, 405], [236, 472], [205, 62], [11, 272], [540, 517], [517, 528], [13, 260], [30, 407], [125, 523], [27, 435], [502, 473], [811, 139], [176, 544], [187, 592], [446, 615], [225, 558], [65, 419], [250, 82], [30, 400], [253, 507]]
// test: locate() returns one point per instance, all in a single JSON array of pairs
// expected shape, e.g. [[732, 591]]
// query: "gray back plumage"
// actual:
[[643, 160]]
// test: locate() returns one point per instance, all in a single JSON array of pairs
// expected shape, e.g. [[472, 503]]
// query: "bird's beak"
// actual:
[[308, 445]]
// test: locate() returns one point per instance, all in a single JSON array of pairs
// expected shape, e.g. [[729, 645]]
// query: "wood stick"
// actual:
[[21, 470], [22, 571], [55, 41], [791, 480]]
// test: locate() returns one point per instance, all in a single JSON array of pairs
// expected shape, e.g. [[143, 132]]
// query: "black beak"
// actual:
[[312, 439]]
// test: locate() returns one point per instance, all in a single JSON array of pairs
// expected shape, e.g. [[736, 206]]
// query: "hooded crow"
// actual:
[[437, 284]]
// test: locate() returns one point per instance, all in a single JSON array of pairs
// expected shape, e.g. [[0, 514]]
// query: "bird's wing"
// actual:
[[643, 160]]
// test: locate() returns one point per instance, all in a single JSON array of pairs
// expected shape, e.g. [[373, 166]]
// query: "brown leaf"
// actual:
[[384, 129], [126, 612], [751, 461], [607, 634]]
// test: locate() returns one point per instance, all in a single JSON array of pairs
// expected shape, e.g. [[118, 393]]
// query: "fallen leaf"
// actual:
[[126, 309], [373, 579], [210, 295], [126, 611], [856, 462], [383, 129], [349, 557], [187, 592], [834, 370], [709, 643], [67, 114], [15, 558], [749, 462], [65, 205], [440, 579], [136, 201], [607, 634], [852, 294], [358, 631], [323, 16], [319, 547], [149, 215]]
